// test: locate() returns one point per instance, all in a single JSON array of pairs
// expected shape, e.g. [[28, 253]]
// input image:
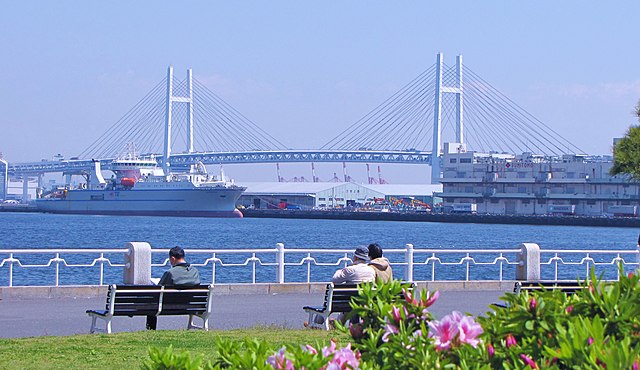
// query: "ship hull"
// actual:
[[197, 202]]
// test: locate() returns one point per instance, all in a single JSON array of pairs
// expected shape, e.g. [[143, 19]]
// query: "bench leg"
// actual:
[[109, 325], [152, 322], [93, 324], [205, 322]]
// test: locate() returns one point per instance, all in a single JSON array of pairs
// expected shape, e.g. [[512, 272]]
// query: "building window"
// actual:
[[542, 201], [591, 202], [574, 201], [321, 199], [465, 160], [522, 189], [522, 175], [494, 200], [468, 189], [461, 175], [526, 201], [453, 160]]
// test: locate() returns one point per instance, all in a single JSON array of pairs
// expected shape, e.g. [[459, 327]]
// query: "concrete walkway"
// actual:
[[28, 317]]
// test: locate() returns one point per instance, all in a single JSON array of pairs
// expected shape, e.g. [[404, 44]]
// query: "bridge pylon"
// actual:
[[169, 113], [437, 116]]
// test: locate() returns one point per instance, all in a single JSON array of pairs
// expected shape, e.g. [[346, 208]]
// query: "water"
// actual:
[[44, 231]]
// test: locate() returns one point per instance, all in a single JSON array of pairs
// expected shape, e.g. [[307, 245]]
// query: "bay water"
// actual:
[[49, 231]]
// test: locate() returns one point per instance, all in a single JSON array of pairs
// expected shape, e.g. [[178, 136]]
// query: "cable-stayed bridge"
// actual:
[[182, 122]]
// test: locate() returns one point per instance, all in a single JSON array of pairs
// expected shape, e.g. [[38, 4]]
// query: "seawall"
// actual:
[[39, 292], [443, 217]]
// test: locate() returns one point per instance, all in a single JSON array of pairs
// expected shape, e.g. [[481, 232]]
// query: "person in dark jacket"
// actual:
[[180, 275]]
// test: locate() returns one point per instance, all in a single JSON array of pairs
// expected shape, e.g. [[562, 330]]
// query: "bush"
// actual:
[[597, 327]]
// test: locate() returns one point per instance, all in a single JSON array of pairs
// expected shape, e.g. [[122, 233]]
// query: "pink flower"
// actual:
[[444, 331], [590, 341], [395, 311], [327, 351], [469, 330], [511, 341], [408, 296], [527, 360], [345, 357], [356, 330], [569, 309], [388, 330], [310, 349], [490, 350], [278, 361], [635, 365], [430, 299], [533, 304]]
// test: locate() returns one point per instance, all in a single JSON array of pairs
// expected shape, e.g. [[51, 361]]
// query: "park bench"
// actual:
[[154, 300], [337, 299], [568, 287]]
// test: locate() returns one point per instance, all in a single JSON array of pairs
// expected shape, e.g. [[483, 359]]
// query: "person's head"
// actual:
[[176, 255], [375, 251], [361, 254]]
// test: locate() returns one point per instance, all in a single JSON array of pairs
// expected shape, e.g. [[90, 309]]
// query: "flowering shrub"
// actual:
[[391, 327]]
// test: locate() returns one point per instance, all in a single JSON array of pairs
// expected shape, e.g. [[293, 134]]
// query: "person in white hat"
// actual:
[[358, 272]]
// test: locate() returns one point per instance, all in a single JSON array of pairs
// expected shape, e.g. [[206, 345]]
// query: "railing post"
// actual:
[[408, 257], [57, 268], [528, 268], [10, 269], [101, 268], [137, 269], [280, 263]]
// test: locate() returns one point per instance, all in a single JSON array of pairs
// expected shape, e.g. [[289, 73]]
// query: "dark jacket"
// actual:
[[181, 275]]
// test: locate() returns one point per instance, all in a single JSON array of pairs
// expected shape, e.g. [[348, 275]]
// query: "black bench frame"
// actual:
[[154, 300], [337, 299], [568, 287]]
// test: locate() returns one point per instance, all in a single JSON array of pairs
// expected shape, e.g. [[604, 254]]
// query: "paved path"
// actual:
[[57, 316]]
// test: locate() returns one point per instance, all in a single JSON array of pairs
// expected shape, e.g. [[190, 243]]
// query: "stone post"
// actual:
[[408, 256], [528, 268], [137, 269]]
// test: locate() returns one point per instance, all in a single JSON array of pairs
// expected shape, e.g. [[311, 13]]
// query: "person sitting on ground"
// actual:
[[358, 271], [180, 275], [380, 264]]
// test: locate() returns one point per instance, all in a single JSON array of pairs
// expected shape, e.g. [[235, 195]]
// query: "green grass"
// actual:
[[129, 350]]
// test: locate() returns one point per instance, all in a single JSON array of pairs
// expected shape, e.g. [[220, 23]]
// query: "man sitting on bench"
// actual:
[[180, 275], [358, 272]]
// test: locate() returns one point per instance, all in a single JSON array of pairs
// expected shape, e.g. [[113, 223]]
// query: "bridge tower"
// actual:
[[169, 113], [437, 116]]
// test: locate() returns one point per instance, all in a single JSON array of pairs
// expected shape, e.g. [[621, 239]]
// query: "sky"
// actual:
[[304, 71]]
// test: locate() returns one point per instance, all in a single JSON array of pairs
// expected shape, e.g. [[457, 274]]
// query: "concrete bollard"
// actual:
[[408, 257], [137, 269], [528, 268]]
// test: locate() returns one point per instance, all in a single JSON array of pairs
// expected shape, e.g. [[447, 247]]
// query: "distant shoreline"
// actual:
[[443, 217], [416, 217]]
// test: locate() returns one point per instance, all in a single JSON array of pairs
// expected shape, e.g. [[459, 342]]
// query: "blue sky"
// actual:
[[304, 71]]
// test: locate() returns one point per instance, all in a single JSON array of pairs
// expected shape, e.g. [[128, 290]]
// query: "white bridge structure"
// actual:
[[441, 104], [135, 263]]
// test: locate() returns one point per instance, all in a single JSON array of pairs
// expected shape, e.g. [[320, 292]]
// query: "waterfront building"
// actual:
[[529, 184], [307, 195]]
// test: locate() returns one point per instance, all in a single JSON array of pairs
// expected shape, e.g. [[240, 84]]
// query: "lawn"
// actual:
[[129, 350]]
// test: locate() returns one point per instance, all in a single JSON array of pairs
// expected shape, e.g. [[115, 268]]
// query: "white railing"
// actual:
[[587, 259], [35, 266], [11, 262]]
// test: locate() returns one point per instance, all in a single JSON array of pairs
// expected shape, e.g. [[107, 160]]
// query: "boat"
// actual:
[[140, 188]]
